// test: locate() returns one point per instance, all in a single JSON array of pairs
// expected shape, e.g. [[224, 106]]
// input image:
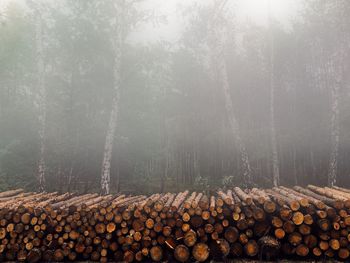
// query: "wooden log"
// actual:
[[343, 253], [200, 252], [319, 204], [321, 198], [140, 228], [204, 203], [195, 202], [279, 233], [179, 200], [159, 204], [212, 203], [34, 255], [336, 200], [228, 199], [190, 238], [236, 250], [56, 199], [302, 250], [295, 238], [188, 202], [16, 197], [341, 189], [243, 196], [181, 253], [337, 193], [298, 218], [269, 247], [304, 202], [156, 253], [11, 193], [170, 200], [231, 234], [219, 249], [341, 196], [71, 201], [261, 195], [282, 199], [251, 248]]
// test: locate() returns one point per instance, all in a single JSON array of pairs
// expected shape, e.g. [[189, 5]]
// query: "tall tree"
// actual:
[[338, 68], [329, 29], [218, 34], [117, 45], [335, 129], [42, 92], [275, 159]]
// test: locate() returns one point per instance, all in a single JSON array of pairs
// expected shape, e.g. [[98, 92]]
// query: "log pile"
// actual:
[[299, 223]]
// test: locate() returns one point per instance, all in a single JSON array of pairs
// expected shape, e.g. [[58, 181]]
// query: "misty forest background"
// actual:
[[86, 107]]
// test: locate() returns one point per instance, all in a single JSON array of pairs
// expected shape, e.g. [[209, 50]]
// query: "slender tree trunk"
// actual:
[[245, 164], [165, 174], [118, 180], [218, 42], [72, 151], [275, 159], [107, 155], [333, 162], [335, 74], [112, 124], [295, 170], [165, 144], [42, 98], [313, 166]]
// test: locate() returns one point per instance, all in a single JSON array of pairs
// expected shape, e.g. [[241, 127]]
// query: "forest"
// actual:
[[153, 96]]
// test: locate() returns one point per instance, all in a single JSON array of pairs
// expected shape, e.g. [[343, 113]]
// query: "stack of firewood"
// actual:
[[256, 223]]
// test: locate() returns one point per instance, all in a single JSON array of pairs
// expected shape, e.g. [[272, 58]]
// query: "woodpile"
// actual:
[[298, 223]]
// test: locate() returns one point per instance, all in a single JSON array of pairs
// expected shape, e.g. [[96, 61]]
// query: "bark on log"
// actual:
[[52, 227]]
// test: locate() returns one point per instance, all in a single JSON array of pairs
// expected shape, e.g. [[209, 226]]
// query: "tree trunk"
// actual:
[[275, 159], [295, 170], [333, 162], [218, 36], [112, 125], [107, 155], [42, 98], [233, 121], [313, 166]]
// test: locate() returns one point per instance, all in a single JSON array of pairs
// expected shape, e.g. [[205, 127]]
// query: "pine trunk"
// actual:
[[218, 45], [112, 124], [275, 159], [233, 122], [42, 99], [107, 156], [333, 162]]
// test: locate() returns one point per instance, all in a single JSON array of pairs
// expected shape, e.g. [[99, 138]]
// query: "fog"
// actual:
[[155, 96]]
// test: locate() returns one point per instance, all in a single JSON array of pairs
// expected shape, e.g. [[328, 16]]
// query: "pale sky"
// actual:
[[246, 10]]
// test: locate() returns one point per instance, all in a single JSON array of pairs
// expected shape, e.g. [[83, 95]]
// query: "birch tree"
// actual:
[[339, 68], [335, 68], [275, 159], [42, 100], [117, 44], [335, 129], [335, 55], [217, 41], [42, 92]]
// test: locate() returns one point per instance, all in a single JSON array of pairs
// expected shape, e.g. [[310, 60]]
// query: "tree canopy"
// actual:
[[174, 127]]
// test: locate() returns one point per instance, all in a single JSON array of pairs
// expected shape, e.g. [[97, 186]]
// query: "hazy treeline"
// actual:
[[226, 103]]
